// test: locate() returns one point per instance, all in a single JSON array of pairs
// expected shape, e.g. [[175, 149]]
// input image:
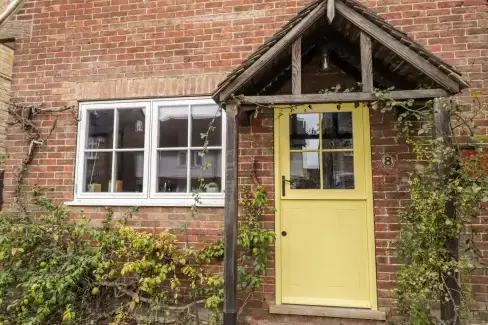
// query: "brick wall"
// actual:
[[107, 49]]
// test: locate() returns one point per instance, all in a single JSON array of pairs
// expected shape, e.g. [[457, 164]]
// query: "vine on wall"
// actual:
[[444, 178]]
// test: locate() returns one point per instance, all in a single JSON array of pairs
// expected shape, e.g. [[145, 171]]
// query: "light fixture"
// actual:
[[324, 62]]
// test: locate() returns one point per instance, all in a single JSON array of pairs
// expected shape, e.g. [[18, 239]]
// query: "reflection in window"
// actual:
[[173, 126], [304, 131], [338, 170], [175, 174], [100, 129], [208, 167], [101, 156], [98, 171], [305, 170], [337, 130], [172, 177]]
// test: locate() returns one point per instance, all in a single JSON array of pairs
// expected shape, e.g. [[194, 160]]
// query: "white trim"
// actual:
[[206, 201], [149, 196]]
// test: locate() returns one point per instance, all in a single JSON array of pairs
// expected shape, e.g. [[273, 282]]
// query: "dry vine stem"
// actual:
[[24, 116]]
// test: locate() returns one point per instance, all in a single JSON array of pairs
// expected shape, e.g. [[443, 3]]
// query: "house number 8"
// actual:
[[387, 160]]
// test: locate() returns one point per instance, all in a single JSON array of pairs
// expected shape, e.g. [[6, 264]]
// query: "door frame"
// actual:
[[369, 203]]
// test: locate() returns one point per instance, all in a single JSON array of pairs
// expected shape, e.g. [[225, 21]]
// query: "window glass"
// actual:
[[304, 131], [130, 129], [201, 117], [174, 172], [129, 171], [305, 170], [321, 151], [149, 150], [172, 175], [337, 130], [98, 171], [173, 126], [209, 168], [338, 170], [100, 129]]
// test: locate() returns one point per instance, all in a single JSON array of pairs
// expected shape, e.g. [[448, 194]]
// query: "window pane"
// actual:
[[172, 171], [100, 129], [130, 171], [201, 117], [130, 132], [338, 170], [98, 171], [337, 130], [173, 126], [305, 170], [209, 167], [304, 131]]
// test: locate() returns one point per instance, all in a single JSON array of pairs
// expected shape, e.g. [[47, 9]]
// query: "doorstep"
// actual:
[[333, 312]]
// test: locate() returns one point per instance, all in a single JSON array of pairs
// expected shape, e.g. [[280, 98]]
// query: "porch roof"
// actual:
[[399, 53]]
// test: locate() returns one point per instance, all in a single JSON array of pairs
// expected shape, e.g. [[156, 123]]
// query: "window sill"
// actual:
[[168, 202], [332, 312]]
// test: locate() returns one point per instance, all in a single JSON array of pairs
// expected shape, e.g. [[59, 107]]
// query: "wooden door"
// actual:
[[324, 202]]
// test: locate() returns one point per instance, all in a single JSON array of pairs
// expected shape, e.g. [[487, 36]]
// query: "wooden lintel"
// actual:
[[366, 63], [296, 67], [342, 97], [397, 47], [295, 32], [230, 214]]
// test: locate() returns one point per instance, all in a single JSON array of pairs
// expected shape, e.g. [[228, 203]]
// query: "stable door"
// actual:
[[325, 225]]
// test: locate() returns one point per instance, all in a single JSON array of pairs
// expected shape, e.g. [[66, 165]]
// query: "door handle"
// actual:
[[283, 184]]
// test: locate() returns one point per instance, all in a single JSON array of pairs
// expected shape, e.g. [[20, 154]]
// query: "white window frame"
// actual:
[[149, 196]]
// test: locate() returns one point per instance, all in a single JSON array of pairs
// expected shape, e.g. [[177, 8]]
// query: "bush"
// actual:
[[55, 271]]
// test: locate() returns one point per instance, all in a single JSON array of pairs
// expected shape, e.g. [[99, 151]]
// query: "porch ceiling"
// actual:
[[391, 60]]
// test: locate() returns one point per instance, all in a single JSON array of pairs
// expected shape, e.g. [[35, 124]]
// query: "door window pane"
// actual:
[[172, 175], [201, 116], [173, 126], [305, 170], [304, 131], [98, 171], [338, 170], [129, 171], [337, 130], [100, 129], [131, 128], [208, 167]]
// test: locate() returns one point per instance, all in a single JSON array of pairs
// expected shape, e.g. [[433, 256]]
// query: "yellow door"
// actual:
[[325, 226]]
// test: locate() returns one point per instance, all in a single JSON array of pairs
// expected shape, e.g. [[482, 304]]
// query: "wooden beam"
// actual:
[[230, 215], [366, 63], [342, 97], [296, 67], [442, 130], [397, 47], [330, 10], [295, 32]]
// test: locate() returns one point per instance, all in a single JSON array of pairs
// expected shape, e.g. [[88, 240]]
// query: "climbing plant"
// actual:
[[448, 189]]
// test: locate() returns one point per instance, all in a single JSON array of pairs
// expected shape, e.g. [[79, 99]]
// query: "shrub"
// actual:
[[56, 271]]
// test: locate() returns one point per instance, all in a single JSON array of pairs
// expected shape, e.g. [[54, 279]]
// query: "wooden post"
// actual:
[[296, 66], [366, 63], [230, 215], [442, 129]]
